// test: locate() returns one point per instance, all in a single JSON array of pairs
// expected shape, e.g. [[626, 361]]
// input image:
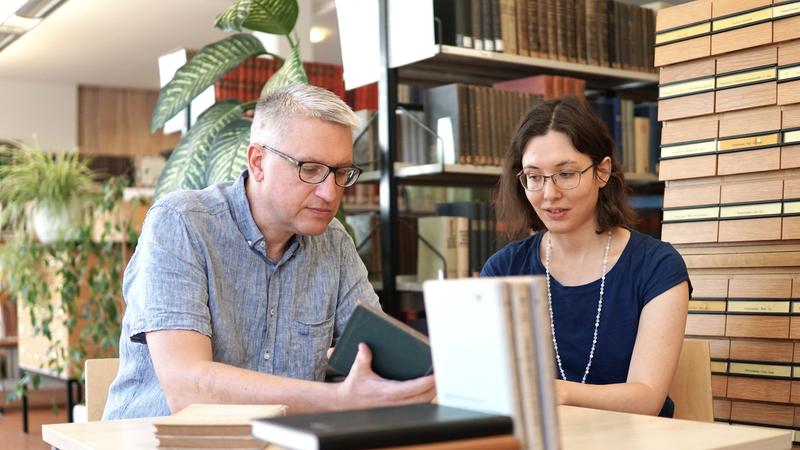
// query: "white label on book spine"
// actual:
[[685, 88], [742, 19], [755, 210], [683, 33], [785, 10], [791, 137], [763, 370], [759, 306], [753, 76], [795, 307], [789, 73], [678, 215], [696, 148], [791, 207]]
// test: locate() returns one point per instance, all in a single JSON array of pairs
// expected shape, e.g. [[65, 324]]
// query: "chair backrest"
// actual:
[[99, 375], [691, 386]]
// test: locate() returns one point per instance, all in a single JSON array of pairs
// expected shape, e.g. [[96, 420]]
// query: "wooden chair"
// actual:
[[691, 385], [99, 375]]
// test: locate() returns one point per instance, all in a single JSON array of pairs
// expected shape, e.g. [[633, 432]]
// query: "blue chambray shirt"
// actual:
[[201, 265]]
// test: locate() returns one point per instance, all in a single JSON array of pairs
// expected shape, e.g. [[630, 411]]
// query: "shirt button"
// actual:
[[266, 356], [272, 312]]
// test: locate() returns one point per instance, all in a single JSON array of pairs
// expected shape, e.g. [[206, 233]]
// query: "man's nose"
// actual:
[[328, 189]]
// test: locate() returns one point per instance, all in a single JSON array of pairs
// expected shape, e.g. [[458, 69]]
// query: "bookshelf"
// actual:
[[451, 64], [465, 65], [743, 252]]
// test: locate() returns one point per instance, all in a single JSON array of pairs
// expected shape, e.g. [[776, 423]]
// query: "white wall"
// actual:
[[47, 110]]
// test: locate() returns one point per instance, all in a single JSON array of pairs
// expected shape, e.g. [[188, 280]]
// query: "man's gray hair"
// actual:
[[276, 110]]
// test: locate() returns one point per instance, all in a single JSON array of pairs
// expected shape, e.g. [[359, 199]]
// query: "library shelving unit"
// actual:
[[453, 64], [732, 201]]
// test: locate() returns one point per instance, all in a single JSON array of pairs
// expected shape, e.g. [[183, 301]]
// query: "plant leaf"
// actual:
[[201, 72], [268, 16], [340, 216], [228, 156], [291, 72], [185, 168]]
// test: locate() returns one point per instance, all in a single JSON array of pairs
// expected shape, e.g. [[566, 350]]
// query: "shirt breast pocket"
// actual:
[[310, 340]]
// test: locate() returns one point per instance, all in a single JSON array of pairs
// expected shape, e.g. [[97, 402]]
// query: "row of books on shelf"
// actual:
[[454, 243], [475, 124], [636, 132], [606, 33], [246, 81]]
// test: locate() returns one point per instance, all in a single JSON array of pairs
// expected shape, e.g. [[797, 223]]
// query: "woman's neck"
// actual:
[[579, 245]]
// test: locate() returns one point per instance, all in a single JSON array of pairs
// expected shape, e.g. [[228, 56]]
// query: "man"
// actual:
[[235, 292]]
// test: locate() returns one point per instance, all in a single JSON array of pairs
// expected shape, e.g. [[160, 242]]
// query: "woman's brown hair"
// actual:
[[588, 135]]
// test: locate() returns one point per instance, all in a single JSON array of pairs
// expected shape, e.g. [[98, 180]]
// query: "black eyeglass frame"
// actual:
[[331, 169], [552, 179]]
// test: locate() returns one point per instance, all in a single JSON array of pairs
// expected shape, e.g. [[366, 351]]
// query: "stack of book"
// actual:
[[492, 351], [213, 426]]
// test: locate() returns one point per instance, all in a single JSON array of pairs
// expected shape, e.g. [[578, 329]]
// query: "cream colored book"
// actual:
[[202, 419]]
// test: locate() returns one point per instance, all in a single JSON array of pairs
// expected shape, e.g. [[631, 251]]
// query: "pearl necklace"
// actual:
[[548, 253]]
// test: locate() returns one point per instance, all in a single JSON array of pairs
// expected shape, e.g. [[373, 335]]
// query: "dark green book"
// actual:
[[399, 352], [379, 427]]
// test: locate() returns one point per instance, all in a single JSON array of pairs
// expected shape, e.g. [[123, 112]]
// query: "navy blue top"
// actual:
[[646, 268]]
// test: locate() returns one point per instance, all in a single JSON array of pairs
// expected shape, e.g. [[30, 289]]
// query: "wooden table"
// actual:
[[581, 429]]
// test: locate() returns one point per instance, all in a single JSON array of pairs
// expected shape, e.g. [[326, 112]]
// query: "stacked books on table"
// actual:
[[213, 426], [492, 357], [420, 426]]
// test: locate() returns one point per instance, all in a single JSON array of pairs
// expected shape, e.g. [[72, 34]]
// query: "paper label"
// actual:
[[677, 215], [742, 19], [683, 33], [764, 370], [752, 76], [727, 145], [687, 87], [754, 210], [695, 148]]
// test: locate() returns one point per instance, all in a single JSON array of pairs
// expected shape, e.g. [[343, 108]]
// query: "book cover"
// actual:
[[398, 351], [380, 427]]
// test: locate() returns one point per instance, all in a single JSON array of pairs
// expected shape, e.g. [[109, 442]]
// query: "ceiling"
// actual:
[[110, 42], [117, 42]]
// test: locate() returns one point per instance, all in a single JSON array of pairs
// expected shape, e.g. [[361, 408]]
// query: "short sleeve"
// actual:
[[354, 285], [493, 268], [166, 283], [665, 270]]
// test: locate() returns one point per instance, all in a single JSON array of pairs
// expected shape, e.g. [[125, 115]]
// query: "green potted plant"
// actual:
[[68, 285], [49, 189], [214, 149]]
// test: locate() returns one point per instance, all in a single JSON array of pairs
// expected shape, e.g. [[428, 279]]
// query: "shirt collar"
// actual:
[[240, 207]]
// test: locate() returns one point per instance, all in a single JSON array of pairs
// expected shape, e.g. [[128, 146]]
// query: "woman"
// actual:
[[618, 298]]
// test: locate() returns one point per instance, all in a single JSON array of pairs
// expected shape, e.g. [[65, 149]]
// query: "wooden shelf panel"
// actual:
[[465, 65]]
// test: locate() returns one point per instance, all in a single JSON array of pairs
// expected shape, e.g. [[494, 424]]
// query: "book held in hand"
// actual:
[[379, 427], [398, 351]]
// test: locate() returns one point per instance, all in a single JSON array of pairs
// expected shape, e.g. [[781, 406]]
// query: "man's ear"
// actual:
[[604, 171], [255, 157]]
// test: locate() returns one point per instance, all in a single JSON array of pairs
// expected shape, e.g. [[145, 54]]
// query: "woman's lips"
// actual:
[[555, 213]]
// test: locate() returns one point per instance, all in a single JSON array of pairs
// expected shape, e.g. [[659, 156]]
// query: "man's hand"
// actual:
[[363, 388]]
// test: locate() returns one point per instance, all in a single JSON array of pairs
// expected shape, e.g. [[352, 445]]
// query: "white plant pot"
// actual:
[[61, 223]]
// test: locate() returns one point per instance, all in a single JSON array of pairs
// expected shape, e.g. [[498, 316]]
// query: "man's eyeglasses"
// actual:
[[566, 179], [315, 173]]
